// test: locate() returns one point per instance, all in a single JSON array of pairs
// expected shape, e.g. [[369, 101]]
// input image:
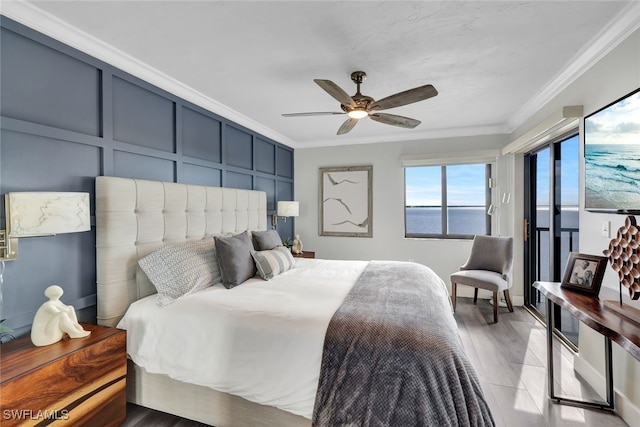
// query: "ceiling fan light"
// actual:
[[358, 113]]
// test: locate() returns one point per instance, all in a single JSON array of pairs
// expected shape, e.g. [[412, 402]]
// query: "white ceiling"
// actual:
[[493, 62]]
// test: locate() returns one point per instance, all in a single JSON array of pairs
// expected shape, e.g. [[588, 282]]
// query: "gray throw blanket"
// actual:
[[393, 357]]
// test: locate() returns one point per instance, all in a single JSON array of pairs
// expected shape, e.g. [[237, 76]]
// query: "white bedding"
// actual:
[[261, 340]]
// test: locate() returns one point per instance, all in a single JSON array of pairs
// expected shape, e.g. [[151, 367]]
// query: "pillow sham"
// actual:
[[273, 262], [183, 269], [266, 240], [234, 258]]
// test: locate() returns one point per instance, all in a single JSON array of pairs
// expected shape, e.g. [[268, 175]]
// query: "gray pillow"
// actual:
[[273, 262], [183, 269], [234, 257], [266, 240]]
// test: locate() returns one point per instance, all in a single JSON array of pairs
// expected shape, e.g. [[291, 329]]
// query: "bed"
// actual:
[[349, 342]]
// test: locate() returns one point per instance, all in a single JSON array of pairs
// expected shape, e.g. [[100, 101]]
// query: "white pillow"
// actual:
[[183, 269]]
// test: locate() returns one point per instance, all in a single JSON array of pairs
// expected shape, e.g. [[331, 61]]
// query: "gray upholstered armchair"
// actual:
[[488, 267]]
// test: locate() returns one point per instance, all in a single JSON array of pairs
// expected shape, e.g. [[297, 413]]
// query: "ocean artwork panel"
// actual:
[[612, 177], [612, 156]]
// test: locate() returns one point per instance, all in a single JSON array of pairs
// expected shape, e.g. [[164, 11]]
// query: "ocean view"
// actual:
[[471, 219], [462, 219]]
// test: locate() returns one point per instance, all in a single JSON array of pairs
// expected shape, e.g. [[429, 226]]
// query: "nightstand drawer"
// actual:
[[70, 381]]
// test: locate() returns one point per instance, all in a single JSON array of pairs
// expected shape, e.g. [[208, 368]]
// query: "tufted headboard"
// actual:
[[135, 217]]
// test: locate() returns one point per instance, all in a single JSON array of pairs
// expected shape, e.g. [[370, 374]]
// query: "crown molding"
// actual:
[[610, 36], [43, 22], [411, 136], [619, 28]]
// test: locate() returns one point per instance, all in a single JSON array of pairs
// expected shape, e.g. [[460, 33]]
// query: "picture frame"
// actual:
[[346, 201], [584, 273]]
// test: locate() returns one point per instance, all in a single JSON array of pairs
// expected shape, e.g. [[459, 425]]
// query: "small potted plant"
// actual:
[[5, 333], [288, 243]]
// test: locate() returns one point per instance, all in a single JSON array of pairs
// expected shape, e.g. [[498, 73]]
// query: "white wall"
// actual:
[[615, 75], [388, 242]]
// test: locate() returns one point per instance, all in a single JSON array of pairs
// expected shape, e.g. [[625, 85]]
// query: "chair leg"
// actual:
[[454, 291], [495, 307], [507, 298], [475, 295]]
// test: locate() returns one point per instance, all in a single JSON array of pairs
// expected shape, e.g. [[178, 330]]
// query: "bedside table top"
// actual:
[[80, 380], [20, 355], [305, 254]]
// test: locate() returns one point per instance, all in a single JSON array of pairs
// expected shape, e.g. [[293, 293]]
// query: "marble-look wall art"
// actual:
[[37, 213]]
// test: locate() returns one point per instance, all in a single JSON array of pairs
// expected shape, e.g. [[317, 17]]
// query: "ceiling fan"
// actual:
[[360, 106]]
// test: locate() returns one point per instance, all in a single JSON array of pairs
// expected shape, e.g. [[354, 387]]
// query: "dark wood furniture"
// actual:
[[77, 381], [305, 254], [593, 313]]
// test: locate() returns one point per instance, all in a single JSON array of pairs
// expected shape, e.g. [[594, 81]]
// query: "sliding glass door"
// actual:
[[551, 222]]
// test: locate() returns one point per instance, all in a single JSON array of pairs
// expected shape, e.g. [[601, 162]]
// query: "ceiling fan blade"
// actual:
[[392, 119], [407, 97], [336, 92], [347, 126], [319, 113]]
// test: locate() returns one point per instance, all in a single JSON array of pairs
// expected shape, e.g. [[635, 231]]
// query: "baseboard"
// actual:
[[625, 408]]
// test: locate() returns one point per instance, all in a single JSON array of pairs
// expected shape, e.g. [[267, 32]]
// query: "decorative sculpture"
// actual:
[[296, 248], [624, 259], [53, 319]]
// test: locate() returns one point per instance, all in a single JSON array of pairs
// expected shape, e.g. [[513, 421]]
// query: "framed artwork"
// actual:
[[584, 273], [346, 206]]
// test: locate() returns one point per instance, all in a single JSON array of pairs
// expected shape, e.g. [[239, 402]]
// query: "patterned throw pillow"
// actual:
[[273, 262], [234, 257], [182, 269]]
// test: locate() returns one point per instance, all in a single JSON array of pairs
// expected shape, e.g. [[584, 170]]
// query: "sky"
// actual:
[[570, 154], [466, 183], [618, 123]]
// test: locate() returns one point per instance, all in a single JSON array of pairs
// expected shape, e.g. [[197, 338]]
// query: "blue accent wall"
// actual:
[[67, 117]]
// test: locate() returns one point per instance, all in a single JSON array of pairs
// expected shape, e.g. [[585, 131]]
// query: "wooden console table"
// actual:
[[593, 313]]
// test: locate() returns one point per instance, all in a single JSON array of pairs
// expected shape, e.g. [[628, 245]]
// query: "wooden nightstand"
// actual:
[[77, 381], [305, 254]]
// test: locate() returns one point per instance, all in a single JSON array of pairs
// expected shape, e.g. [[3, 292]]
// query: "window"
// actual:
[[447, 201]]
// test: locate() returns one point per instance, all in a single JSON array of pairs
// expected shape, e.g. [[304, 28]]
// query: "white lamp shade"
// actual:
[[288, 208], [37, 213]]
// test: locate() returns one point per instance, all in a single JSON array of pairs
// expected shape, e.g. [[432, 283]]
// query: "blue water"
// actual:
[[569, 217], [471, 220], [612, 176], [462, 220]]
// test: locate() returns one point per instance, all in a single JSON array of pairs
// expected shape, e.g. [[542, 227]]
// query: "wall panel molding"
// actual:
[[30, 15], [137, 130]]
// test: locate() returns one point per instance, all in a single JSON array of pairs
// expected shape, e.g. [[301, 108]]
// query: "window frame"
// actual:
[[489, 184]]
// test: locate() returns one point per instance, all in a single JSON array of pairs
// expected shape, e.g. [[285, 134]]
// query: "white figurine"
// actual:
[[297, 245], [53, 319]]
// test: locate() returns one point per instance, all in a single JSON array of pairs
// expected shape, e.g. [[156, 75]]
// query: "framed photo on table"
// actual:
[[584, 273], [346, 205]]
